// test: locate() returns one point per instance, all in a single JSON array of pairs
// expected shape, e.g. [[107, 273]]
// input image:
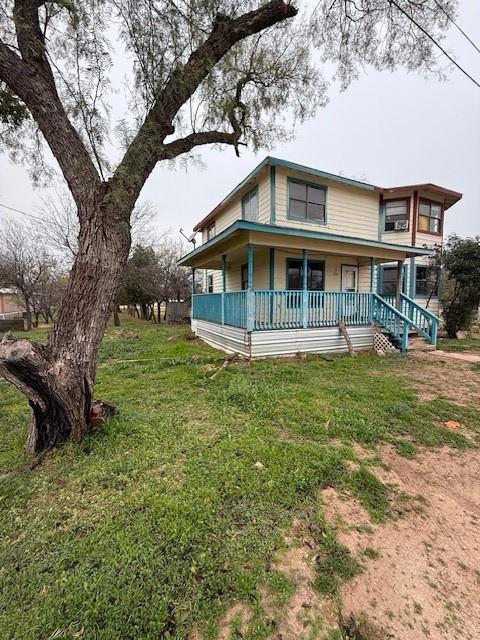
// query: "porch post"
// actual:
[[192, 311], [372, 283], [250, 292], [305, 290], [399, 283], [271, 284], [224, 284], [372, 273]]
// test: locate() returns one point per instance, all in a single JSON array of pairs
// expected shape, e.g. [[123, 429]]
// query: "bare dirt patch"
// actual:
[[305, 614], [422, 571], [433, 377]]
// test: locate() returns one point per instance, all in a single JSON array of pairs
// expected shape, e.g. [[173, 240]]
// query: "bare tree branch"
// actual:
[[146, 148], [31, 79]]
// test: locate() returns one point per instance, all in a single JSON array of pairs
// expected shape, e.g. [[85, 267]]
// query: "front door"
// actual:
[[349, 278]]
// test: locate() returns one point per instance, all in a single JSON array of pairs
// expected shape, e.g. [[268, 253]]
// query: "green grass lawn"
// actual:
[[159, 521], [467, 344]]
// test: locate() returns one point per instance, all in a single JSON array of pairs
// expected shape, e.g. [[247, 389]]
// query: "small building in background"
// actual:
[[11, 311]]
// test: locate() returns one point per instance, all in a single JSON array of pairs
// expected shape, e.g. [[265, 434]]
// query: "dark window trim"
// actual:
[[245, 198], [308, 184], [289, 261], [406, 199], [244, 269], [442, 213], [426, 295], [383, 268]]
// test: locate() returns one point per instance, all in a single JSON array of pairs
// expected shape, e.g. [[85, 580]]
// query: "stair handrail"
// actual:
[[406, 321], [435, 320]]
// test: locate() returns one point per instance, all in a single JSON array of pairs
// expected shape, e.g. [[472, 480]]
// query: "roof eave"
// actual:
[[244, 225]]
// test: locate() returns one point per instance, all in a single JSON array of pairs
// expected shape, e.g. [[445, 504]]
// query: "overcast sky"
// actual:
[[387, 129]]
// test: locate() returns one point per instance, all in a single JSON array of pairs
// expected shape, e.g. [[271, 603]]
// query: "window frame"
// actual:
[[313, 185], [426, 295], [382, 280], [245, 199], [407, 200], [442, 213], [210, 283], [299, 261], [212, 225]]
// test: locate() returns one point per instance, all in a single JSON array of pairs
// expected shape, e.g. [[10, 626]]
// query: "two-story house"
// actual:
[[293, 253]]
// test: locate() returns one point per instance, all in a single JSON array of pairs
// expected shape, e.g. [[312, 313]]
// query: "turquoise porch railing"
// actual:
[[298, 309], [285, 309], [423, 321], [207, 306]]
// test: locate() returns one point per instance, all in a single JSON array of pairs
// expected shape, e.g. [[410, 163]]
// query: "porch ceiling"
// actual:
[[242, 232]]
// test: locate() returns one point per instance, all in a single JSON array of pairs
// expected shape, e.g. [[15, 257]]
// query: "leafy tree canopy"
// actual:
[[253, 95]]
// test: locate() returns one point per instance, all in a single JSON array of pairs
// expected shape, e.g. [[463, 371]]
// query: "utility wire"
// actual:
[[446, 54], [457, 25], [24, 213]]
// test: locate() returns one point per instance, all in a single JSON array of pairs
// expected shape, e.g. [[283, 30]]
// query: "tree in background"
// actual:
[[152, 278], [215, 72], [175, 283], [26, 267], [460, 296], [140, 281]]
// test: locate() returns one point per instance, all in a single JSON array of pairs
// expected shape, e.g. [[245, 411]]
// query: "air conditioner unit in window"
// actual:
[[401, 225]]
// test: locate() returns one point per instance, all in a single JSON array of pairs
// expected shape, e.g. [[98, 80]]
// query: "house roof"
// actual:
[[244, 225], [451, 197]]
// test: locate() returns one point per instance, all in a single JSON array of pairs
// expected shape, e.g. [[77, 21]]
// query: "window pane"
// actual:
[[436, 211], [250, 206], [297, 208], [390, 281], [425, 208], [298, 191], [434, 225], [423, 223], [316, 212], [294, 277], [315, 276], [316, 195], [396, 208], [395, 216]]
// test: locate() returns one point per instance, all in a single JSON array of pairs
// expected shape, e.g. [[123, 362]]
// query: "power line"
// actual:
[[445, 53], [24, 213], [457, 25]]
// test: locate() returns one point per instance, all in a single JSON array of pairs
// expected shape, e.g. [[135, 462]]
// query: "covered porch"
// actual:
[[298, 287]]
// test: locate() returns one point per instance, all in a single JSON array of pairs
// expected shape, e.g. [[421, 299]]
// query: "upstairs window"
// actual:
[[306, 201], [430, 217], [396, 215], [211, 232], [315, 274], [250, 206], [426, 281]]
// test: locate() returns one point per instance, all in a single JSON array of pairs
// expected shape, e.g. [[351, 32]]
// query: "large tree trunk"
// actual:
[[57, 376]]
